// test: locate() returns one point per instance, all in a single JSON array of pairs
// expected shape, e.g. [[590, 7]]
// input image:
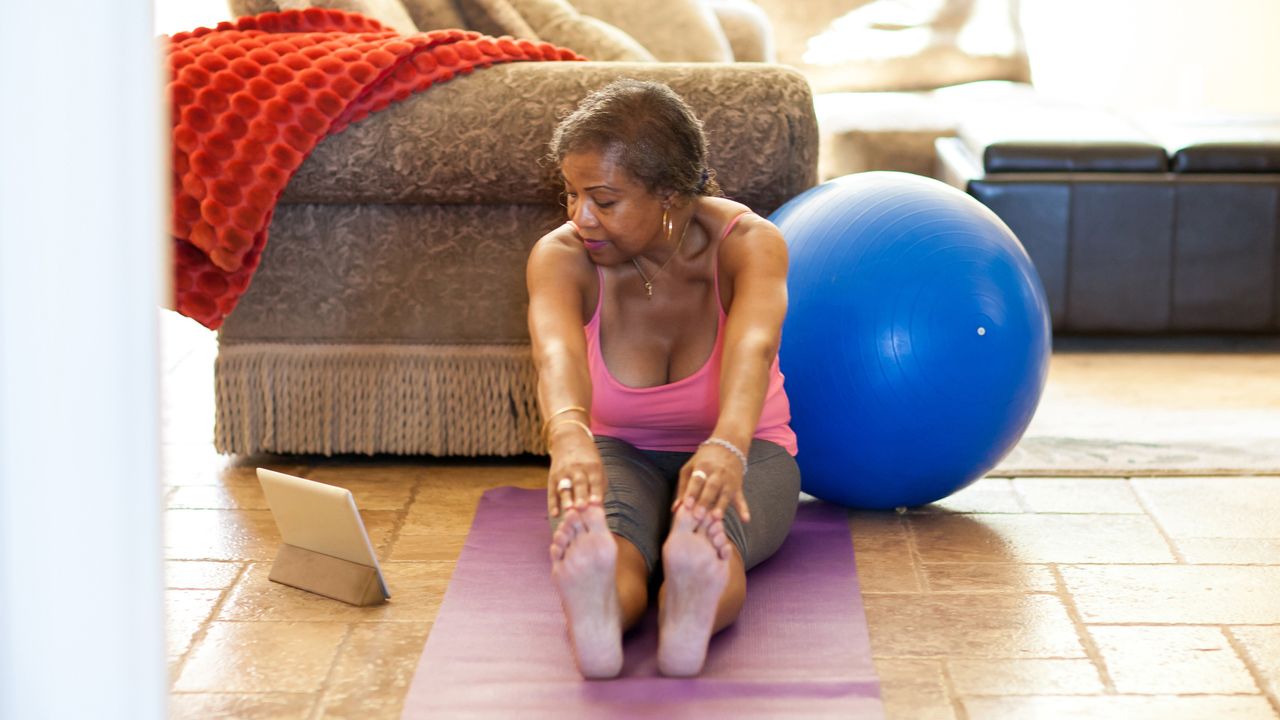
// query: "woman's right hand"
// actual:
[[573, 457]]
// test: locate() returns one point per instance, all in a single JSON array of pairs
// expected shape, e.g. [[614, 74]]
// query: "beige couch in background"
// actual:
[[388, 313]]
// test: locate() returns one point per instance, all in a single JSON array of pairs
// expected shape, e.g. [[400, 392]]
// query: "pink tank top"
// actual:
[[677, 416]]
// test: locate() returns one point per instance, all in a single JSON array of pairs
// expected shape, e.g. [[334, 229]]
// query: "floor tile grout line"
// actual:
[[402, 519], [1082, 631], [1142, 502], [1246, 657], [318, 706], [209, 620], [949, 685], [1023, 502], [913, 548]]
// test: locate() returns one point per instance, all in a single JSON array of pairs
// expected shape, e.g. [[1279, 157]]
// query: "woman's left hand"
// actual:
[[709, 482]]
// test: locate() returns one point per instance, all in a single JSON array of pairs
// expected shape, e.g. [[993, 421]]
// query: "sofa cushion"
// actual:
[[1036, 134], [390, 13], [557, 22], [1228, 157], [429, 149], [415, 225], [747, 29], [883, 45], [1217, 144], [1050, 156], [673, 30], [434, 14], [497, 18]]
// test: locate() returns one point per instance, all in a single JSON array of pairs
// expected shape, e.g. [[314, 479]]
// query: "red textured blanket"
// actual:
[[250, 101]]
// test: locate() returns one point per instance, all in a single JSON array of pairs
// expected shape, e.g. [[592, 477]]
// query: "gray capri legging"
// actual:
[[642, 485]]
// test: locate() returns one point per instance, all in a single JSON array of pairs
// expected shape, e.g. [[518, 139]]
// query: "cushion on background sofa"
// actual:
[[673, 30], [606, 30], [391, 13], [434, 14], [557, 22], [891, 45]]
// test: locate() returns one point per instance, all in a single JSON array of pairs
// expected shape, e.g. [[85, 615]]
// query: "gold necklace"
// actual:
[[648, 281]]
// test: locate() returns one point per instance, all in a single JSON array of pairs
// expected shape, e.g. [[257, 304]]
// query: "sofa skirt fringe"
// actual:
[[399, 399]]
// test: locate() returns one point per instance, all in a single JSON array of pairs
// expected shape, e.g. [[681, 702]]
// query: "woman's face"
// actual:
[[616, 216]]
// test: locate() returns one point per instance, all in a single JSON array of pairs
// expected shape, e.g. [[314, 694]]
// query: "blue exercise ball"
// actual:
[[917, 339]]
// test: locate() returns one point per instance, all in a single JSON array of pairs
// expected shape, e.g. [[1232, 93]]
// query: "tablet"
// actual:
[[320, 518]]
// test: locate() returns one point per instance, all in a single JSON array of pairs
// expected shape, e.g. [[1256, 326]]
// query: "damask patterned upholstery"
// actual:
[[427, 221]]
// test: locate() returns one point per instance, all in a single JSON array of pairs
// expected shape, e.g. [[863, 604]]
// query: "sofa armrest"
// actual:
[[748, 29], [482, 138]]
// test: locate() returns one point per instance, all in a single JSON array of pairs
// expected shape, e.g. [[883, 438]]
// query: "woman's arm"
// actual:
[[555, 277], [754, 259]]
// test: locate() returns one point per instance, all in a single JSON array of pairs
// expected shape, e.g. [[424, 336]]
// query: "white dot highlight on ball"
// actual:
[[982, 331]]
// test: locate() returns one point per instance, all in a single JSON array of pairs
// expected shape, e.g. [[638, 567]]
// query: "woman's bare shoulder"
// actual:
[[560, 239], [749, 228], [560, 246], [559, 257], [718, 210]]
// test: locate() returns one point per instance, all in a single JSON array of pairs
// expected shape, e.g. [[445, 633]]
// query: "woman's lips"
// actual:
[[594, 244]]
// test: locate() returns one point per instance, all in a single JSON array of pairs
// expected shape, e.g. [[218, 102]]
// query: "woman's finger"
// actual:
[[564, 492], [581, 490], [722, 502], [706, 500], [681, 486], [740, 503], [596, 486], [694, 488]]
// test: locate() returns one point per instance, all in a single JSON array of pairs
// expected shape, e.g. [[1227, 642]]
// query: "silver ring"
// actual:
[[565, 484], [698, 474]]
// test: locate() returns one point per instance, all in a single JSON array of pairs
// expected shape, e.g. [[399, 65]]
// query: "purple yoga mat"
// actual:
[[499, 648]]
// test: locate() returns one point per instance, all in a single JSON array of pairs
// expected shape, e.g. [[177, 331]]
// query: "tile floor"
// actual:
[[1106, 597]]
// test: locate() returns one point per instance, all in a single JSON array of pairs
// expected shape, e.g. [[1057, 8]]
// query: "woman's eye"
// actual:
[[605, 204]]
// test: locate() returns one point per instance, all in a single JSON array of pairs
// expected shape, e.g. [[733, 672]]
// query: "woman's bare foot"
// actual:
[[584, 562], [696, 566]]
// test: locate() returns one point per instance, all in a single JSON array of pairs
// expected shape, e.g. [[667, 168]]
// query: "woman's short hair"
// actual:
[[654, 132]]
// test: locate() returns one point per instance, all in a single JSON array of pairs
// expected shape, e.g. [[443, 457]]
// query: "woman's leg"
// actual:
[[602, 558], [632, 582], [584, 559], [702, 594], [772, 489]]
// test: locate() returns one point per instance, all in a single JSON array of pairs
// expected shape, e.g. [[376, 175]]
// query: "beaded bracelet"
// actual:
[[730, 447]]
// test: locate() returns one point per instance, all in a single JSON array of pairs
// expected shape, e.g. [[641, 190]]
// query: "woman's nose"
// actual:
[[580, 214]]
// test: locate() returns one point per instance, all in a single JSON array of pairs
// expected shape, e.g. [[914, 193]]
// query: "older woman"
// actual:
[[655, 314]]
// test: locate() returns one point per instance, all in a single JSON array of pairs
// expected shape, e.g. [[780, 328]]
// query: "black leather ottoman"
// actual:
[[1134, 230]]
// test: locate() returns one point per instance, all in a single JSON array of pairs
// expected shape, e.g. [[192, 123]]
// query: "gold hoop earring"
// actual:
[[666, 223]]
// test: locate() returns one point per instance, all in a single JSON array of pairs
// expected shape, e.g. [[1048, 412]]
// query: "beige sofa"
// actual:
[[388, 314]]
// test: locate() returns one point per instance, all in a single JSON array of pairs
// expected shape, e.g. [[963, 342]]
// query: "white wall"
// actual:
[[81, 266], [1183, 56], [175, 16]]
